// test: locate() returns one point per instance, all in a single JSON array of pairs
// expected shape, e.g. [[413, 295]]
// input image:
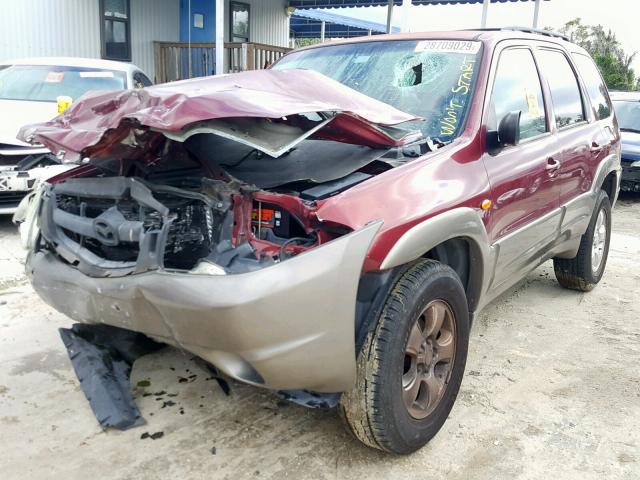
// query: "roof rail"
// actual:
[[548, 33], [537, 31]]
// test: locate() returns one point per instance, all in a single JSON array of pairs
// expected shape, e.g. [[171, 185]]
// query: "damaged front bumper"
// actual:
[[287, 326]]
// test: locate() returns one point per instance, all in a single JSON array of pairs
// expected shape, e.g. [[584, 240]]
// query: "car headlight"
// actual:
[[26, 217]]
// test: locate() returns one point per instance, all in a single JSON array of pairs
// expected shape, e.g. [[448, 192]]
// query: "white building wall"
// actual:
[[71, 28], [45, 28], [269, 22], [152, 20]]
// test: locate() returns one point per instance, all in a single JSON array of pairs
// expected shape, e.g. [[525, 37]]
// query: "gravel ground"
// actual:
[[551, 391]]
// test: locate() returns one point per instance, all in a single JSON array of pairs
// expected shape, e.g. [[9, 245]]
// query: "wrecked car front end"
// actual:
[[198, 226], [285, 324]]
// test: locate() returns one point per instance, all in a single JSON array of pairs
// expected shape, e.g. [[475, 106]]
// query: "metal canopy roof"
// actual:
[[379, 3], [308, 24]]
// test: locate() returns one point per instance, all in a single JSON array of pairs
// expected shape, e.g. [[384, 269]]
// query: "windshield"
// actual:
[[434, 79], [42, 83], [628, 113]]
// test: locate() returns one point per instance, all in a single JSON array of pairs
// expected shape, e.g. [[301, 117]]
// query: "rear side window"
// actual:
[[595, 86], [565, 91], [517, 88]]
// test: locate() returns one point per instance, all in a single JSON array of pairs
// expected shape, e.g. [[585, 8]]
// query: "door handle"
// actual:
[[552, 164]]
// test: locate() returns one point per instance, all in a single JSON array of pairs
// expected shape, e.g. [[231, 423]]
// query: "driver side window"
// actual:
[[517, 88]]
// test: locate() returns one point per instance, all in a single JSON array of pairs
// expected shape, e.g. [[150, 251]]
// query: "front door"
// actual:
[[524, 218]]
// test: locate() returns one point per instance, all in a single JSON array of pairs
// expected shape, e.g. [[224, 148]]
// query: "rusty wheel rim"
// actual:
[[428, 359]]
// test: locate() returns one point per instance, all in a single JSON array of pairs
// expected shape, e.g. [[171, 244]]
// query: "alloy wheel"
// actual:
[[599, 241], [428, 360]]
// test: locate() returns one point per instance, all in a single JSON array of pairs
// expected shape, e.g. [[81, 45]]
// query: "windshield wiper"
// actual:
[[632, 130], [416, 149]]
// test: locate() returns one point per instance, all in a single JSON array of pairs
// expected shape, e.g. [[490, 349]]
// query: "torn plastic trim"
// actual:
[[310, 399], [102, 357]]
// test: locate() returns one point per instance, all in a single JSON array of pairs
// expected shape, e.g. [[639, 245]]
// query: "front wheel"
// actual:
[[411, 364], [585, 270]]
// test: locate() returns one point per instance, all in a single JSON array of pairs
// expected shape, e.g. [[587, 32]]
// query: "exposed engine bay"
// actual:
[[209, 205], [193, 177]]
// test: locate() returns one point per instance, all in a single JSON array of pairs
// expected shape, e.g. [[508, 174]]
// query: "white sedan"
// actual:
[[29, 93]]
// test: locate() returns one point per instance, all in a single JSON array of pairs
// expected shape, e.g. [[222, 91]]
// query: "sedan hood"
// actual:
[[21, 113], [267, 109]]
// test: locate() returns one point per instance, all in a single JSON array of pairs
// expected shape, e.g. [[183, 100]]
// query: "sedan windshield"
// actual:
[[42, 83], [628, 113], [434, 79]]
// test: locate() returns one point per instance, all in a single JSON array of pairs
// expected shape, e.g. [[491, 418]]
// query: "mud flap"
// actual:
[[102, 357]]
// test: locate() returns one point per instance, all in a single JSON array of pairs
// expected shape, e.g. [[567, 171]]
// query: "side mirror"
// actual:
[[509, 129]]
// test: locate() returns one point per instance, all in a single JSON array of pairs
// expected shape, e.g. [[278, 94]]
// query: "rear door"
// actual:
[[575, 134], [524, 217], [605, 137]]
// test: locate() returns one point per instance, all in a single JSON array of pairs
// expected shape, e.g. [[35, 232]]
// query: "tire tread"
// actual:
[[360, 408]]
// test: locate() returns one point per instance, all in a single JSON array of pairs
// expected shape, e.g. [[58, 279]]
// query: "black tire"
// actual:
[[578, 273], [374, 410]]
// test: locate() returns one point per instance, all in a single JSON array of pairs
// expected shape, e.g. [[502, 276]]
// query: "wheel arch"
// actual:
[[607, 177], [610, 186], [456, 238]]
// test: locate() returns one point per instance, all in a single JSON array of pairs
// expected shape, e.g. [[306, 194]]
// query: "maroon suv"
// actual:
[[332, 225]]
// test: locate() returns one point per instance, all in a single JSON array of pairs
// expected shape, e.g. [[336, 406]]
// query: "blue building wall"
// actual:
[[207, 8]]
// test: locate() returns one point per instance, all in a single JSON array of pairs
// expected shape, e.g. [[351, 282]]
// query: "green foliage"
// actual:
[[604, 47], [306, 42]]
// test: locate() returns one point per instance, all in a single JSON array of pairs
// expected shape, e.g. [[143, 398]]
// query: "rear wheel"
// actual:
[[585, 270], [411, 364]]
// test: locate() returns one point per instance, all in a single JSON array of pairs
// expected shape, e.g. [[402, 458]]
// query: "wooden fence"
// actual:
[[180, 60]]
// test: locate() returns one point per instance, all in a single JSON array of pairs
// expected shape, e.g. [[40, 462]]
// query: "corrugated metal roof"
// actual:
[[307, 24], [377, 3]]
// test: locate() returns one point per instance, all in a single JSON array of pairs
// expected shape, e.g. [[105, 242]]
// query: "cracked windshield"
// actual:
[[434, 79]]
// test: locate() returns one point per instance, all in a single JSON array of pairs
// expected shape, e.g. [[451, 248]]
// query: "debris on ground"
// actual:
[[102, 357]]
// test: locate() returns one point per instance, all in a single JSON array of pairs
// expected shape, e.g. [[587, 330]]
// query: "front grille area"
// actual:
[[11, 199], [191, 234], [10, 160]]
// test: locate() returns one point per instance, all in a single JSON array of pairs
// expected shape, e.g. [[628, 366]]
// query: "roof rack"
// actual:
[[548, 33], [537, 31]]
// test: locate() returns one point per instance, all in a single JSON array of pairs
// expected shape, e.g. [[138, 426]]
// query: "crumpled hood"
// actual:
[[90, 125], [17, 113]]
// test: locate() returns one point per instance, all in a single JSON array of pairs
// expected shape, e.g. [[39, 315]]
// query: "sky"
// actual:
[[621, 16]]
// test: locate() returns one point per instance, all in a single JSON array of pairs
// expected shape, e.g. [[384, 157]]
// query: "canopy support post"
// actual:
[[485, 12], [406, 11], [389, 15], [322, 31], [536, 13], [219, 37]]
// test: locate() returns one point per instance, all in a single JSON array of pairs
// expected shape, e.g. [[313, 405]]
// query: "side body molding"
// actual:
[[460, 222]]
